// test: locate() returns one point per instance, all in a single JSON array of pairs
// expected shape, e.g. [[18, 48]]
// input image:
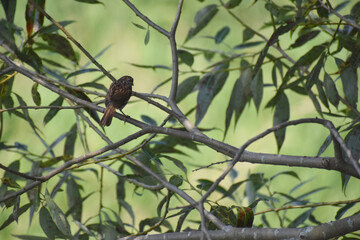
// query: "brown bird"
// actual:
[[117, 97]]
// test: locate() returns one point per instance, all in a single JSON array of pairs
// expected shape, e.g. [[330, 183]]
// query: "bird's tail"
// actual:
[[108, 115]]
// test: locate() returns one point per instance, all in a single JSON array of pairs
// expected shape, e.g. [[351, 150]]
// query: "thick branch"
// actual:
[[323, 231]]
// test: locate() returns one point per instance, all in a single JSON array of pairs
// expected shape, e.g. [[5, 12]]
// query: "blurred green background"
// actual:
[[98, 26]]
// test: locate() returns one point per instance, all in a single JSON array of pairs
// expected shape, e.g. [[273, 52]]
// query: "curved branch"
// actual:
[[146, 19]]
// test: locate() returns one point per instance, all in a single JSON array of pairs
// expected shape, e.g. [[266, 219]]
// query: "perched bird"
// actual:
[[117, 97]]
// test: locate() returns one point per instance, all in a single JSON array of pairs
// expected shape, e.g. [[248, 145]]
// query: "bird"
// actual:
[[117, 97]]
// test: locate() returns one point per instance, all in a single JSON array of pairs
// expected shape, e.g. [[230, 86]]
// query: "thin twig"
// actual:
[[146, 19], [73, 40]]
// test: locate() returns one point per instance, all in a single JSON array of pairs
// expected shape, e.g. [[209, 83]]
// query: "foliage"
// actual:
[[324, 37]]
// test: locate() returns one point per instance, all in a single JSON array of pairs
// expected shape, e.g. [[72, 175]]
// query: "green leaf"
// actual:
[[221, 34], [186, 57], [139, 26], [304, 38], [89, 1], [52, 112], [240, 95], [9, 9], [202, 18], [256, 87], [301, 219], [176, 180], [30, 237], [53, 28], [186, 87], [209, 87], [322, 95], [289, 173], [60, 45], [305, 60], [315, 102], [48, 226], [6, 33], [69, 146], [177, 163], [282, 114], [349, 81], [352, 141], [331, 91], [11, 219], [247, 34], [149, 120], [206, 184], [74, 199], [79, 72], [34, 18], [35, 94], [58, 216], [343, 210], [93, 114], [232, 3], [147, 36], [248, 45], [313, 76], [324, 146], [29, 56]]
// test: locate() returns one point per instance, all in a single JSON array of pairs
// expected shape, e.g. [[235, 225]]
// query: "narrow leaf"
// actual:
[[202, 18], [52, 112], [58, 216], [221, 34], [186, 87], [331, 91], [256, 88], [282, 114], [35, 94], [349, 81], [70, 142]]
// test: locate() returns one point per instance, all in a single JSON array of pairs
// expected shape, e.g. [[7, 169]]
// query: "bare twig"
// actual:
[[73, 40], [18, 173], [146, 19]]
